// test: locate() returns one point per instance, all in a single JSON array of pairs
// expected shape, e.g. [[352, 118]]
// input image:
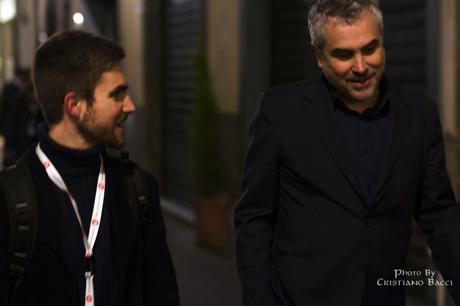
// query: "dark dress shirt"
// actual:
[[365, 135]]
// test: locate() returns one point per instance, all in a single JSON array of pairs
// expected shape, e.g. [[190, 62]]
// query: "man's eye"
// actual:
[[369, 50], [120, 96]]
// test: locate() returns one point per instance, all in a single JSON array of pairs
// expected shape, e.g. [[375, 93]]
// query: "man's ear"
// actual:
[[72, 104], [318, 55]]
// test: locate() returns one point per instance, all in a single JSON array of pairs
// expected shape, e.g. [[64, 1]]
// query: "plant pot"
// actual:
[[212, 222]]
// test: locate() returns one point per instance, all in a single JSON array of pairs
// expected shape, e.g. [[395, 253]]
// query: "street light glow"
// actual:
[[7, 10], [78, 18]]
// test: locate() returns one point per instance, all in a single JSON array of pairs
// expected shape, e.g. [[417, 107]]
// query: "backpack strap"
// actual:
[[20, 199], [138, 193], [142, 201]]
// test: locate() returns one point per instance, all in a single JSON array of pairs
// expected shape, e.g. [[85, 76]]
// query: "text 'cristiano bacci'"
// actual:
[[419, 278]]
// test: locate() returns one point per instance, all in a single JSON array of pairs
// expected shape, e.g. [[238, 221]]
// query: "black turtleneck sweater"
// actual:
[[79, 170]]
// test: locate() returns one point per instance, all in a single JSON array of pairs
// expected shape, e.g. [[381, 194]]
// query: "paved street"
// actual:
[[205, 278], [210, 279]]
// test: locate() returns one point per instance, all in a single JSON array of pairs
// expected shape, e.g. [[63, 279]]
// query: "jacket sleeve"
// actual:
[[160, 285], [4, 241], [439, 213], [255, 214]]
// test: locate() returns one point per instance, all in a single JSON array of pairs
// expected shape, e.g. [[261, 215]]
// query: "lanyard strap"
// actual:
[[89, 240]]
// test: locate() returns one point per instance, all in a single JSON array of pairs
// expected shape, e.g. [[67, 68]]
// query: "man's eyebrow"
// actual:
[[373, 43], [119, 89], [340, 50]]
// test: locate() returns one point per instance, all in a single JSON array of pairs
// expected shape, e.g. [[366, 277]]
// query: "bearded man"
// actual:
[[337, 165], [91, 244]]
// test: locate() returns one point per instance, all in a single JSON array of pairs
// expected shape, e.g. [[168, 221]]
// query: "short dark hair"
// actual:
[[346, 10], [71, 61]]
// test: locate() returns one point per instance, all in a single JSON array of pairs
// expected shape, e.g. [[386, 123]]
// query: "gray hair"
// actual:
[[346, 10]]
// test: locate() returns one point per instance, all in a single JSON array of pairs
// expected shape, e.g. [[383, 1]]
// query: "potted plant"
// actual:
[[211, 209]]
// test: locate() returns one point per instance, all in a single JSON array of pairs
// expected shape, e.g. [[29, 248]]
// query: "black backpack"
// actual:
[[20, 200]]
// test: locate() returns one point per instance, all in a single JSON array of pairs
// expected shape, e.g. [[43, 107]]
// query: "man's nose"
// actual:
[[359, 64], [129, 106]]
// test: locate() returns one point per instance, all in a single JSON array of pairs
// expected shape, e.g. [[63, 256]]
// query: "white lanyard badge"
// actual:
[[89, 240]]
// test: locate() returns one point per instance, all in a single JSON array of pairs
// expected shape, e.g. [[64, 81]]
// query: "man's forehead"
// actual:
[[113, 75]]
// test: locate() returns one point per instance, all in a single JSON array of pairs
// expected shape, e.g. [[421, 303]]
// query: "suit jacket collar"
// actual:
[[400, 120], [320, 112]]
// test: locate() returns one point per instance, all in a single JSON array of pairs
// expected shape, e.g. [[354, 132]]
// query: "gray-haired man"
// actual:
[[336, 167]]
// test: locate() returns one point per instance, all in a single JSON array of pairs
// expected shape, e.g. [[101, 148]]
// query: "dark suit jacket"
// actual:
[[304, 234], [144, 274]]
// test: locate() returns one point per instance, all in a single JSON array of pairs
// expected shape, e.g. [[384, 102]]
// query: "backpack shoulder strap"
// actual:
[[135, 184], [141, 189], [20, 198], [142, 201]]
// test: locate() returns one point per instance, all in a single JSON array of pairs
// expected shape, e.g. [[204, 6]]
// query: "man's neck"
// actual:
[[360, 106], [66, 134]]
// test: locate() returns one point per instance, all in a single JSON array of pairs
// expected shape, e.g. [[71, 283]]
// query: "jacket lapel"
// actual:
[[399, 123], [320, 113]]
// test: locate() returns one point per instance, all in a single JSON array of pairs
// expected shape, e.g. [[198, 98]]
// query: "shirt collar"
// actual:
[[382, 105], [69, 161]]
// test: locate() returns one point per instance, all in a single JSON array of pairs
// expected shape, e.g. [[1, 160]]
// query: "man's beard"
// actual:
[[101, 134]]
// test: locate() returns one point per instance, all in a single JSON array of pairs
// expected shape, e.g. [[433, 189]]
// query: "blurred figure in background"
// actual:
[[19, 116]]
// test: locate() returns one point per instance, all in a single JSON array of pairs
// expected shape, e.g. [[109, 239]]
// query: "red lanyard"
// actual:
[[89, 240]]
